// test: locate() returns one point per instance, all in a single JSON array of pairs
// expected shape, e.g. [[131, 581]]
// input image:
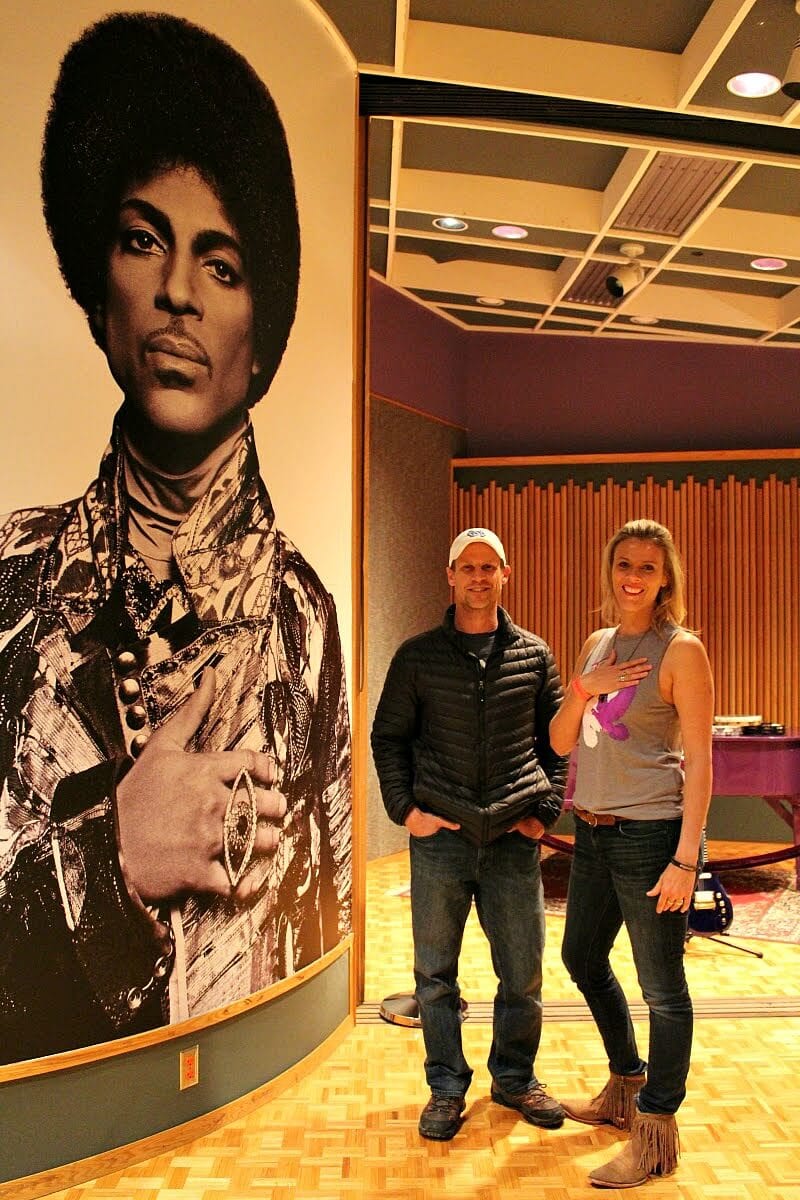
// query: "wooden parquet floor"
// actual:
[[349, 1129]]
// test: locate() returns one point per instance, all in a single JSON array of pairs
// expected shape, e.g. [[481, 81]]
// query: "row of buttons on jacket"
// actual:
[[130, 693]]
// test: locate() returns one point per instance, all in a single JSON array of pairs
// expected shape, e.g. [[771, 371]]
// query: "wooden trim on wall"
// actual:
[[165, 1033], [659, 456], [358, 723], [421, 412]]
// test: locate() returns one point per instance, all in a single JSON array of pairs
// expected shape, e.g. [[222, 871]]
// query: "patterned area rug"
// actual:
[[766, 903]]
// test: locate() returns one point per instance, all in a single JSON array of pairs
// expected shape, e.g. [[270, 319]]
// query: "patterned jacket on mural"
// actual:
[[95, 654]]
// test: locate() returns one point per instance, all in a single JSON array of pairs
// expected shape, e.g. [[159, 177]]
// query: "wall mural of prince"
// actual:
[[174, 742]]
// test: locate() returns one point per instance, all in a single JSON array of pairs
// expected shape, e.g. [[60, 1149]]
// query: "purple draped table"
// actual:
[[764, 766]]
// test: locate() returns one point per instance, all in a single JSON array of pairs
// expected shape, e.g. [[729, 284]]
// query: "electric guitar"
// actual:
[[711, 908]]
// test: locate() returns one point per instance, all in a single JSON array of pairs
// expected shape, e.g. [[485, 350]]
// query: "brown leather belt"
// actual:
[[592, 818]]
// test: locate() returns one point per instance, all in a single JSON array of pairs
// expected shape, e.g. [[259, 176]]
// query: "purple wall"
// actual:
[[560, 395], [416, 358], [523, 394]]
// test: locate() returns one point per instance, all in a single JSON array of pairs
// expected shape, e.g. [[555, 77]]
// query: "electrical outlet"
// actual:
[[189, 1067]]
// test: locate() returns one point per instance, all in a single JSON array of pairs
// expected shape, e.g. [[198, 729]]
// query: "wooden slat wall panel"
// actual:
[[740, 543]]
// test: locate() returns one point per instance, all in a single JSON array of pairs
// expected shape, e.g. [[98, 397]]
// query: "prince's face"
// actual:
[[177, 326]]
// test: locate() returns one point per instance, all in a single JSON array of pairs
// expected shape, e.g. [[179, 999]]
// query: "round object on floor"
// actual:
[[401, 1009]]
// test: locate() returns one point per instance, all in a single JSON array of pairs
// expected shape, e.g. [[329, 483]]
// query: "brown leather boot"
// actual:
[[615, 1105], [653, 1149]]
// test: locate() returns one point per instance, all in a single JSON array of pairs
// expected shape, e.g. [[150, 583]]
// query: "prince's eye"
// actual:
[[139, 241], [224, 272]]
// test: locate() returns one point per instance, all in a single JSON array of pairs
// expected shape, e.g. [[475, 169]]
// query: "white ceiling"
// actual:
[[629, 135]]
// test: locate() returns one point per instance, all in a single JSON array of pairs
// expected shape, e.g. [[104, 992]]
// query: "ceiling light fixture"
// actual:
[[769, 264], [490, 301], [644, 320], [620, 280], [791, 76], [513, 233], [451, 224], [754, 85]]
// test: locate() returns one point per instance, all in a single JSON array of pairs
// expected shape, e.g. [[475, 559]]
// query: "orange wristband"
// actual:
[[580, 690]]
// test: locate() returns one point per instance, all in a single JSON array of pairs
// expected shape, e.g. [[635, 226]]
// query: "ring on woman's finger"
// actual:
[[622, 677], [239, 826]]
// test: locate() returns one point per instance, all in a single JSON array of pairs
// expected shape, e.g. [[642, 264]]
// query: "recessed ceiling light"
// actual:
[[769, 264], [490, 301], [644, 320], [512, 232], [451, 224], [754, 84]]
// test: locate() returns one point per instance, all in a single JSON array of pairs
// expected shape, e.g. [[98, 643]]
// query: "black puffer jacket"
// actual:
[[469, 744]]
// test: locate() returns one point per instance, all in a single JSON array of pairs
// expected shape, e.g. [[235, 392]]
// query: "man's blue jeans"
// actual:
[[504, 878], [612, 869]]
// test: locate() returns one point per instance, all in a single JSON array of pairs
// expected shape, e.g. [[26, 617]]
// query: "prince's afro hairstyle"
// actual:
[[139, 93]]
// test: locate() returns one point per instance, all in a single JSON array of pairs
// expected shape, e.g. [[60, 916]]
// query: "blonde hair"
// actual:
[[670, 603]]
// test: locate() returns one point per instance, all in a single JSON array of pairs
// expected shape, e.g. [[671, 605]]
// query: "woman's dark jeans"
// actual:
[[505, 880], [613, 868]]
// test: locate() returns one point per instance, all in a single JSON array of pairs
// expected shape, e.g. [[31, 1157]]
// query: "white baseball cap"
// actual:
[[468, 536]]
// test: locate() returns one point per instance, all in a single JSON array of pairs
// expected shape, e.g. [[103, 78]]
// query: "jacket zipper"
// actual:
[[482, 735]]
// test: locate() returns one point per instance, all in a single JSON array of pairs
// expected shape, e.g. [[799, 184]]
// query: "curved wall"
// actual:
[[69, 1115], [60, 400]]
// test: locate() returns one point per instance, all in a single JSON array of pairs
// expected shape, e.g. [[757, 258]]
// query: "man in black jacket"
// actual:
[[461, 746]]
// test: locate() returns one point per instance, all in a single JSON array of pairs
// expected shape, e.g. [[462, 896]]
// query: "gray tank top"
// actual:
[[629, 751]]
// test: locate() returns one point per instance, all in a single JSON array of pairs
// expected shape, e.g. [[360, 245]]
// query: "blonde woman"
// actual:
[[639, 709]]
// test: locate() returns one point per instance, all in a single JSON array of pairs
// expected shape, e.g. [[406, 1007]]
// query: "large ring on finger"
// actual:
[[622, 678], [239, 827]]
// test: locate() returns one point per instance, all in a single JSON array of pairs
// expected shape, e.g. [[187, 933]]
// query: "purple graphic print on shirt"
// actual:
[[610, 710]]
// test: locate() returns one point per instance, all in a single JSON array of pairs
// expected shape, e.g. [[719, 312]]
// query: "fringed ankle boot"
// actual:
[[652, 1150], [615, 1105]]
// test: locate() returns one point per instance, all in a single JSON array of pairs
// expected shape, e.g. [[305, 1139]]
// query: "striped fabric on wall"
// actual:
[[739, 539]]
